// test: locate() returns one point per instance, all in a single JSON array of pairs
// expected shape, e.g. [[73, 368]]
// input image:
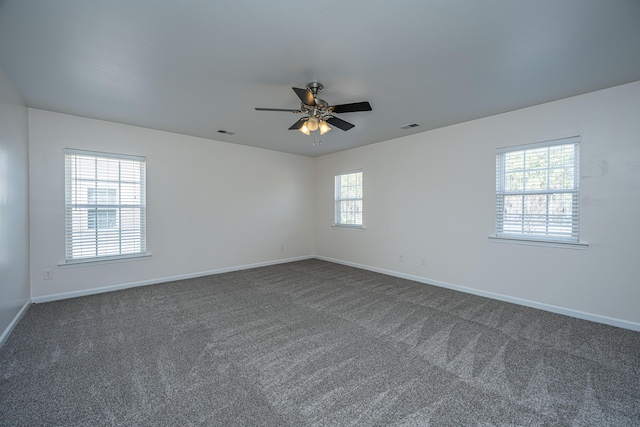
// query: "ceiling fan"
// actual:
[[319, 114]]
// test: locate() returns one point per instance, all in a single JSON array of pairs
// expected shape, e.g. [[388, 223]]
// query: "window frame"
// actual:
[[85, 194], [338, 201], [558, 236]]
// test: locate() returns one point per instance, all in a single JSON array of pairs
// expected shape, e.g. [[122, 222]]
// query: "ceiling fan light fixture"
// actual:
[[324, 127], [304, 129], [312, 124]]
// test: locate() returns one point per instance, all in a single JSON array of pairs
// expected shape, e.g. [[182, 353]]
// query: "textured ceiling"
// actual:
[[195, 67]]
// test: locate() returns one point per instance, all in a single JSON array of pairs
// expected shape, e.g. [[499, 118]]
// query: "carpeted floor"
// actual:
[[312, 343]]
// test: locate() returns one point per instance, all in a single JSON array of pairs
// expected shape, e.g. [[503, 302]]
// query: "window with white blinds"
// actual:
[[537, 191], [105, 206], [348, 199]]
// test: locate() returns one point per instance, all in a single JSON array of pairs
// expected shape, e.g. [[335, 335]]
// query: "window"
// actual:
[[537, 191], [348, 199], [105, 206]]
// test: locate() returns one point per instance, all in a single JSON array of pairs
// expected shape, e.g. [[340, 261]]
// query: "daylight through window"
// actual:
[[348, 199], [537, 191], [105, 208]]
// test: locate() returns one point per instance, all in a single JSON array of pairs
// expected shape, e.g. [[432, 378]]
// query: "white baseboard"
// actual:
[[14, 322], [93, 291], [533, 304]]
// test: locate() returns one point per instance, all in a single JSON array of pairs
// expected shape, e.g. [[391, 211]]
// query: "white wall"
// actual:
[[210, 205], [432, 195], [14, 206]]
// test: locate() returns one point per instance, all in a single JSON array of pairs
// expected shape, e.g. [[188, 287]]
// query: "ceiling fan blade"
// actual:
[[305, 96], [278, 109], [339, 123], [352, 108], [297, 125]]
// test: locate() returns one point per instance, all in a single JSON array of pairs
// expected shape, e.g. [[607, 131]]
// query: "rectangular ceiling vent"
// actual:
[[412, 125], [226, 132]]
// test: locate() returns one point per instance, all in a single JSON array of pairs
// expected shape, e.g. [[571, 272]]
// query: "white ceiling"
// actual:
[[195, 67]]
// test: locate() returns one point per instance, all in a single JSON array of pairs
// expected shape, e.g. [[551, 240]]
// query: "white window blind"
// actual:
[[348, 199], [537, 191], [105, 206]]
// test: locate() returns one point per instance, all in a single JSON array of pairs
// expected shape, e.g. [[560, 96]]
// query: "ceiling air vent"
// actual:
[[226, 132], [412, 125]]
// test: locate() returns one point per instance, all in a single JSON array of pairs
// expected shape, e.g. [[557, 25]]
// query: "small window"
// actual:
[[537, 191], [105, 206], [348, 199]]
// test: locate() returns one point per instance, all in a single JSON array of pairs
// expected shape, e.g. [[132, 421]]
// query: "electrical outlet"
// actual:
[[400, 258], [282, 247], [424, 261], [48, 274]]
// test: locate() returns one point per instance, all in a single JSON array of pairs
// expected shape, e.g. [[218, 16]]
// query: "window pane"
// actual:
[[512, 213], [556, 156], [535, 211], [344, 193], [514, 161], [537, 158], [536, 180], [514, 181], [562, 178]]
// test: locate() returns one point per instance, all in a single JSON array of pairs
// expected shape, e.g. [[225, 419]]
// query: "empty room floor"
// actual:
[[312, 343]]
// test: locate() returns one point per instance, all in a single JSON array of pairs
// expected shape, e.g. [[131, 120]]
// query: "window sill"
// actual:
[[533, 242], [103, 260], [348, 226]]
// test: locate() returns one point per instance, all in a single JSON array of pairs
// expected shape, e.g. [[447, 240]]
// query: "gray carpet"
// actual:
[[312, 343]]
